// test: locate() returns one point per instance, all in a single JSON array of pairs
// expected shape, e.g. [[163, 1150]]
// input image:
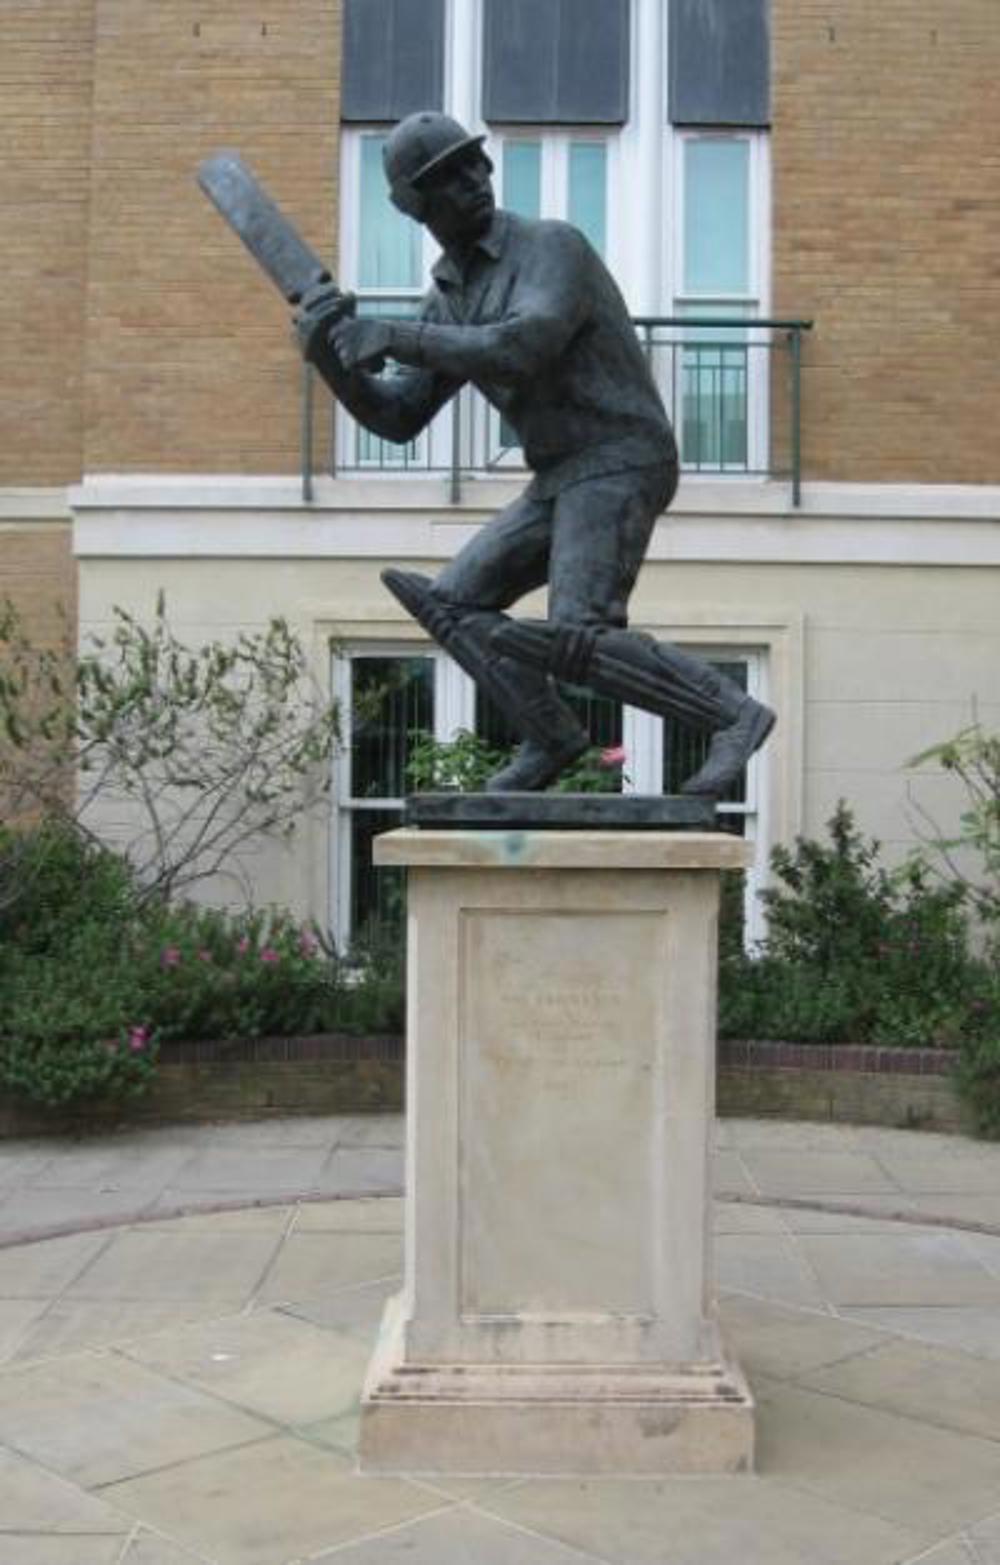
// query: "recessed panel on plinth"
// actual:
[[551, 1072]]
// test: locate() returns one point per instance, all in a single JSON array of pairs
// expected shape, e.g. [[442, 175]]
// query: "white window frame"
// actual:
[[756, 301], [455, 708]]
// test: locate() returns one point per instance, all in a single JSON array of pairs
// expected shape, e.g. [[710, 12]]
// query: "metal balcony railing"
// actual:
[[732, 387]]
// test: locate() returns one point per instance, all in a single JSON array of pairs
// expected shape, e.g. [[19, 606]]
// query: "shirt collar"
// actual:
[[444, 270]]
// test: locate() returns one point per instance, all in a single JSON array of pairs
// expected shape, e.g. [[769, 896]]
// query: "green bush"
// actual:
[[94, 980], [855, 954]]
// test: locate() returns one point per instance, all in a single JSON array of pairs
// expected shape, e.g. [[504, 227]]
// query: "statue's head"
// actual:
[[439, 174]]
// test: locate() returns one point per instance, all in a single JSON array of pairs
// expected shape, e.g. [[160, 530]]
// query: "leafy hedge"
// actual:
[[94, 979]]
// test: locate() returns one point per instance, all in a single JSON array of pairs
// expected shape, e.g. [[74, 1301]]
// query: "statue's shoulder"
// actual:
[[550, 233]]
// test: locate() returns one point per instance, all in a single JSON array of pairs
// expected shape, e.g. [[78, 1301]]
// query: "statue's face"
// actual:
[[459, 201]]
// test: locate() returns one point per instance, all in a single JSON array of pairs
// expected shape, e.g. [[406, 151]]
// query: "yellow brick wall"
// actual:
[[190, 366], [46, 56], [887, 231], [38, 575]]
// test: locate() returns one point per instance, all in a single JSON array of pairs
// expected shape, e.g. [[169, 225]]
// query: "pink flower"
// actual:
[[243, 945], [308, 944], [138, 1037], [170, 956], [613, 756], [269, 954]]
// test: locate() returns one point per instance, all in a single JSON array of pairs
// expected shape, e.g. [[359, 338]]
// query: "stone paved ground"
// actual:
[[184, 1388]]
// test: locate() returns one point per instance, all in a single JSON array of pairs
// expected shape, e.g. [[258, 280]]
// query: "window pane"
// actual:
[[719, 62], [522, 178], [377, 894], [714, 393], [390, 699], [716, 216], [393, 60], [389, 246], [685, 749], [587, 202]]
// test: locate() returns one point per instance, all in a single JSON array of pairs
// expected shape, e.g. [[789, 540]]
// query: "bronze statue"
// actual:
[[528, 313]]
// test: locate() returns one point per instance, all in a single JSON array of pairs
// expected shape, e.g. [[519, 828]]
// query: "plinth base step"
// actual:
[[490, 1419]]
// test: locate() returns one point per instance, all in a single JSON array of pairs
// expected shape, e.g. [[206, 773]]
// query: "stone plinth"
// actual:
[[557, 1314]]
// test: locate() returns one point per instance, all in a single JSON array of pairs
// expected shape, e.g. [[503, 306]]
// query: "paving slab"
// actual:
[[366, 1170], [190, 1266], [275, 1502], [61, 1210], [784, 1342], [268, 1363], [47, 1549], [730, 1176], [969, 1328], [369, 1215], [957, 1173], [926, 1479], [45, 1269], [463, 1537], [766, 1265], [71, 1325], [357, 1309], [311, 1265], [932, 1267], [96, 1418], [827, 1173], [704, 1521], [737, 1217], [953, 1390], [35, 1501], [148, 1548], [16, 1319], [250, 1171], [370, 1130]]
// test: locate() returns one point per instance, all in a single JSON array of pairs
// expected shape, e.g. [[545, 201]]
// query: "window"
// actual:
[[643, 122], [562, 62], [389, 694], [719, 62], [720, 384], [555, 175], [393, 58]]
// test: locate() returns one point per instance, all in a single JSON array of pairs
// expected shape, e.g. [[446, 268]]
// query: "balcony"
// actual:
[[732, 387]]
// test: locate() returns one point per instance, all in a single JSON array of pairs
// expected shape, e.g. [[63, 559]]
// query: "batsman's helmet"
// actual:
[[418, 146]]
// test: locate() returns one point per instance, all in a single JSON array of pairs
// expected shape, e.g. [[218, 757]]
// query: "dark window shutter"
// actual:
[[556, 62], [393, 58], [720, 62]]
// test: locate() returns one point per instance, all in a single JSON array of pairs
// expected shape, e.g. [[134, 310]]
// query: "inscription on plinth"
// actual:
[[557, 1043]]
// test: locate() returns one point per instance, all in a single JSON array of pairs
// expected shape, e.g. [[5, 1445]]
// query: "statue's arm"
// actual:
[[396, 406], [547, 306]]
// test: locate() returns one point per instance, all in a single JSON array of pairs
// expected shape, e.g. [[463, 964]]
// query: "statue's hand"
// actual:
[[363, 344], [320, 308]]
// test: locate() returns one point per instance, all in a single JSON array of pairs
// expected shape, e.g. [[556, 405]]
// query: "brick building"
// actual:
[[807, 161]]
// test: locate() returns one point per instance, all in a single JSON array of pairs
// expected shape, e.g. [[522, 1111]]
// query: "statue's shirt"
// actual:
[[536, 322]]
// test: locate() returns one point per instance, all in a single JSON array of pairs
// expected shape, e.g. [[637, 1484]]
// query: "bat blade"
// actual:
[[272, 240]]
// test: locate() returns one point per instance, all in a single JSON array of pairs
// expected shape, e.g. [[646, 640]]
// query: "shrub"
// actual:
[[94, 980], [466, 762], [855, 954]]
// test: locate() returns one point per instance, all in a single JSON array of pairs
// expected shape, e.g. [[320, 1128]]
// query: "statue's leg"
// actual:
[[593, 572], [461, 608]]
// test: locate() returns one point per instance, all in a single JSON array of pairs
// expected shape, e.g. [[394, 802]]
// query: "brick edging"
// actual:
[[732, 1054], [869, 1059]]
